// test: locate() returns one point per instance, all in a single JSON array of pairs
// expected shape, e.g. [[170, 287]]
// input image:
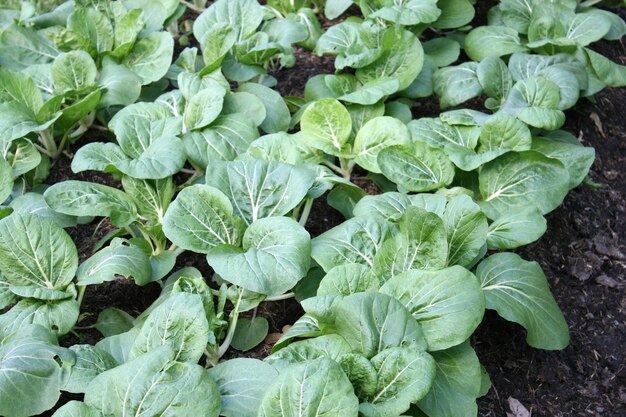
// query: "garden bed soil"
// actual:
[[582, 254]]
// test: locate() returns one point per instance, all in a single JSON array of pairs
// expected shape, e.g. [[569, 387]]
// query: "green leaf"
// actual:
[[519, 291], [78, 198], [326, 125], [457, 84], [118, 259], [90, 362], [152, 197], [122, 86], [310, 389], [201, 218], [416, 167], [249, 333], [21, 47], [247, 104], [243, 16], [454, 14], [535, 101], [457, 384], [97, 156], [336, 8], [151, 57], [277, 113], [35, 252], [6, 180], [497, 41], [154, 385], [448, 303], [494, 78], [216, 43], [409, 12], [72, 71], [442, 51], [330, 346], [516, 229], [523, 179], [242, 383], [203, 108], [94, 26], [467, 229], [348, 279], [576, 158], [259, 189], [356, 240], [59, 316], [31, 369], [164, 157], [372, 322], [588, 27], [179, 323], [275, 255], [226, 138], [372, 92], [112, 321], [402, 58], [20, 88], [404, 376], [377, 134], [119, 345]]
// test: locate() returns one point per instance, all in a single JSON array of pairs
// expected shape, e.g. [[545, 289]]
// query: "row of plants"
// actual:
[[207, 157]]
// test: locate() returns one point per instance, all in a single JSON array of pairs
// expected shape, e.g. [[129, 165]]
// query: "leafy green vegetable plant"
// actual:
[[204, 156]]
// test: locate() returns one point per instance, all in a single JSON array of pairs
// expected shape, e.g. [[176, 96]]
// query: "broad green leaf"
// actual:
[[242, 382], [404, 376], [408, 12], [523, 179], [348, 279], [283, 147], [78, 198], [326, 125], [249, 333], [442, 51], [456, 385], [392, 205], [277, 113], [72, 71], [259, 189], [497, 41], [164, 157], [372, 322], [119, 345], [20, 88], [495, 79], [216, 42], [151, 57], [179, 323], [518, 290], [372, 92], [356, 240], [467, 229], [311, 389], [35, 252], [203, 108], [377, 134], [122, 86], [31, 370], [448, 303], [243, 16], [610, 73], [59, 316], [535, 101], [501, 133], [454, 14], [154, 385], [76, 409], [457, 84], [247, 104], [588, 27], [416, 167], [112, 321], [516, 229], [420, 244], [275, 255], [201, 218], [128, 23], [21, 47], [226, 138], [23, 157], [17, 121], [90, 362], [402, 58], [576, 158], [97, 156], [336, 8], [118, 259]]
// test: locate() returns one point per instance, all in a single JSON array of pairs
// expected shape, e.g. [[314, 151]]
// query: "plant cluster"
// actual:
[[208, 158]]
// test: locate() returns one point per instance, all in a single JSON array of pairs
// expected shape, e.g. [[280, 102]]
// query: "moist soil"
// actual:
[[582, 254]]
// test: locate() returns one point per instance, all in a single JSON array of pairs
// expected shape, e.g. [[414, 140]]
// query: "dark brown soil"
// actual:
[[582, 254]]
